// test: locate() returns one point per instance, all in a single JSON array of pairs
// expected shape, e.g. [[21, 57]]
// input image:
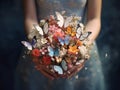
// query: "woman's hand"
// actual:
[[52, 75], [44, 70], [74, 70], [30, 17], [79, 64], [93, 21]]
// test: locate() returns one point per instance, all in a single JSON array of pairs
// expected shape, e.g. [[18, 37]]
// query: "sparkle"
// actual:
[[23, 56], [106, 55], [86, 68], [76, 77]]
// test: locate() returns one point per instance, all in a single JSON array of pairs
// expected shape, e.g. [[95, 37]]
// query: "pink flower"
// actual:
[[59, 34], [53, 28], [58, 30]]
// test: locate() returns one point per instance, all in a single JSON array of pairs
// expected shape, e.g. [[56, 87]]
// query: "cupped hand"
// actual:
[[45, 70], [74, 70]]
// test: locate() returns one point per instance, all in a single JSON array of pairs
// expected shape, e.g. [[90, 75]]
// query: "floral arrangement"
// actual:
[[59, 43]]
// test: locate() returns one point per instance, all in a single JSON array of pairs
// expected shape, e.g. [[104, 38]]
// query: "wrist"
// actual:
[[31, 33]]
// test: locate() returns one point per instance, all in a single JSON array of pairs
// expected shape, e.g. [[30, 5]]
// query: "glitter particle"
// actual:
[[76, 77], [86, 68], [106, 55]]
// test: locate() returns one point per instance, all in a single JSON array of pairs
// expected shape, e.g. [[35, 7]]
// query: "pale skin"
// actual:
[[93, 23]]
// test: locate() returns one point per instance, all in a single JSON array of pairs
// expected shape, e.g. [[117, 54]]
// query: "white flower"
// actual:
[[43, 40], [83, 51]]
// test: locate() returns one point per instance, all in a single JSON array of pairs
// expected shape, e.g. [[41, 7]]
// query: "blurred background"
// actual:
[[12, 32]]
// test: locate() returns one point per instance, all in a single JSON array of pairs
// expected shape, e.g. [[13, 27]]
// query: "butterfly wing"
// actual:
[[79, 32], [27, 44], [60, 19], [38, 28], [51, 51], [63, 12], [81, 25], [67, 40], [61, 41], [45, 28], [67, 21], [56, 52], [84, 35], [64, 65], [34, 41], [58, 69]]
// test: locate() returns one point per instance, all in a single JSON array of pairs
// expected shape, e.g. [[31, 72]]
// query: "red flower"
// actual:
[[36, 52], [46, 60], [55, 38]]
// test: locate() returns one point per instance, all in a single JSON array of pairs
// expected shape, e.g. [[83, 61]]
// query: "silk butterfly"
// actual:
[[58, 69], [53, 51], [60, 19], [39, 29], [82, 36], [64, 40]]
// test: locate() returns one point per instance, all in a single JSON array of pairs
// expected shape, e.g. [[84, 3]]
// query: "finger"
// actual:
[[50, 72], [47, 71], [70, 71], [75, 71], [47, 75], [63, 76], [43, 69]]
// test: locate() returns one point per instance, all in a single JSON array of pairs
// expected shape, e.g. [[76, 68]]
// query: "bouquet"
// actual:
[[59, 44]]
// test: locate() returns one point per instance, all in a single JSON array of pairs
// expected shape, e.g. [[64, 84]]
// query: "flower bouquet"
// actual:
[[58, 43]]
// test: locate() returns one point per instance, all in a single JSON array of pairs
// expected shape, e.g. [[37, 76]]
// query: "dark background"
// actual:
[[12, 32]]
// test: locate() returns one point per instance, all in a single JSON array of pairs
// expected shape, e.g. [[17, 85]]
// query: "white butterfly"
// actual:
[[82, 36], [58, 69], [79, 32], [27, 44], [81, 26], [60, 19], [38, 28], [67, 21], [64, 65], [63, 12], [45, 28]]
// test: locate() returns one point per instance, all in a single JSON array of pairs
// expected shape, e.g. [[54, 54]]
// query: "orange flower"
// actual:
[[73, 34], [73, 49], [70, 31], [36, 52], [79, 43]]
